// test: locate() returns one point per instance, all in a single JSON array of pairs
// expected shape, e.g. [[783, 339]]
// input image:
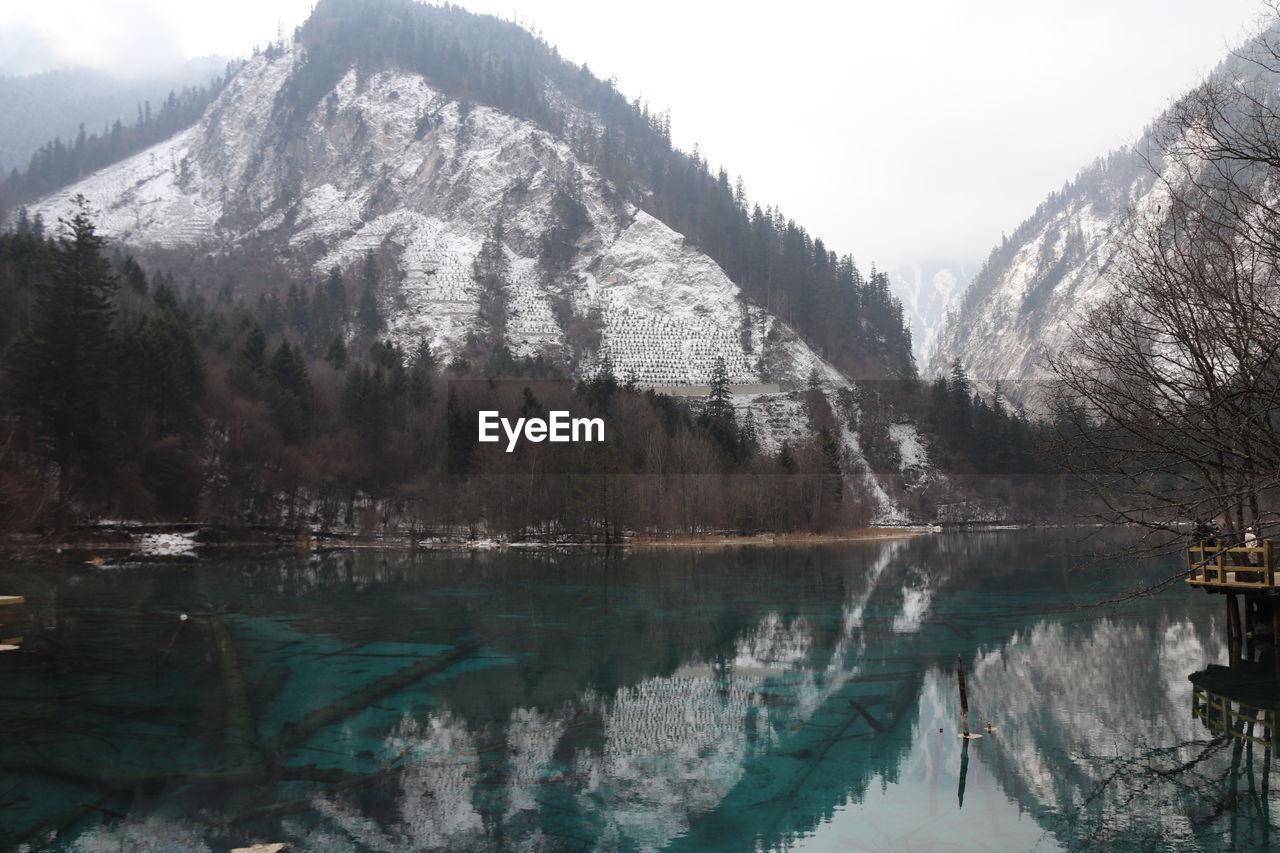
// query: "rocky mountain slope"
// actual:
[[1044, 277], [1060, 263]]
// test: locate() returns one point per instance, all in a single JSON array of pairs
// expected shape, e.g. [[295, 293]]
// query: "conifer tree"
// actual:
[[60, 364], [719, 402], [369, 314]]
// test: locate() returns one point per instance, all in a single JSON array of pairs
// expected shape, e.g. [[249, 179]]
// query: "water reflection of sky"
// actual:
[[740, 700]]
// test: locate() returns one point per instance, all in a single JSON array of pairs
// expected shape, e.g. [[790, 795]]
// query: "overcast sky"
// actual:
[[902, 133]]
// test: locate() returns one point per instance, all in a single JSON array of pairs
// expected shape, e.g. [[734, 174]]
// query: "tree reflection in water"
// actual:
[[733, 700]]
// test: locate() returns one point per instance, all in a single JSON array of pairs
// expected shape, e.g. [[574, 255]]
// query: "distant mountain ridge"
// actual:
[[927, 291], [54, 104]]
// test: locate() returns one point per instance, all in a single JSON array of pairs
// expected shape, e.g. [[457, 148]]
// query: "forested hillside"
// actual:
[[53, 104], [120, 397], [60, 162]]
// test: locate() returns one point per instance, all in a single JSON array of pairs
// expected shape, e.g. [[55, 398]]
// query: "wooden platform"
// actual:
[[11, 599], [1215, 568]]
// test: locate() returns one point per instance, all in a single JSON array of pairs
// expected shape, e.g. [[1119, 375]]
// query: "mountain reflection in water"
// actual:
[[751, 699]]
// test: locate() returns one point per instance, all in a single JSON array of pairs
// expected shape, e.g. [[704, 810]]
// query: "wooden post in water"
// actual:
[[964, 696], [1275, 632], [1250, 625], [1233, 628]]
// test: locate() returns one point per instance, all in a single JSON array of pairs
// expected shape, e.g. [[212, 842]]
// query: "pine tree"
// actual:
[[602, 387], [750, 435], [787, 460], [60, 364], [369, 314], [290, 395], [337, 353], [719, 401], [255, 350], [421, 373]]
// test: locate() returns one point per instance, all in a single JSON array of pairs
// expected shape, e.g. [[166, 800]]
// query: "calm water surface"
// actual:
[[740, 700]]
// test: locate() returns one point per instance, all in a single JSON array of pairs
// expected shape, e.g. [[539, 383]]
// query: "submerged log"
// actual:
[[351, 704], [241, 736]]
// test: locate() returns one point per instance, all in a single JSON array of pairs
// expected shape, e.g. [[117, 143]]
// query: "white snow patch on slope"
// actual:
[[887, 510], [153, 196], [777, 418], [911, 449]]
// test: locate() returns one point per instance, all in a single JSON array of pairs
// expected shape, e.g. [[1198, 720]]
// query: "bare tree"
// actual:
[[1169, 404]]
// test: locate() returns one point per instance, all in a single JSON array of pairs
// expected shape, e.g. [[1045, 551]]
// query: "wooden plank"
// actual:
[[1228, 584], [11, 599]]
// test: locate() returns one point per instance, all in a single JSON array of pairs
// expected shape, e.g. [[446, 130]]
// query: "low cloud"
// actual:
[[130, 38]]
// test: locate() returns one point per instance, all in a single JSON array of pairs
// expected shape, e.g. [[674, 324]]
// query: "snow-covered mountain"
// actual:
[[391, 164], [383, 161], [1044, 277], [927, 291], [1042, 280]]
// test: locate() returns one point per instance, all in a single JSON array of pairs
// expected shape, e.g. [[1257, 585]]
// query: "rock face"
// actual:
[[389, 164], [1045, 277]]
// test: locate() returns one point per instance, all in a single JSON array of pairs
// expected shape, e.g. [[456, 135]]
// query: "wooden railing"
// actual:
[[1240, 567], [1233, 717]]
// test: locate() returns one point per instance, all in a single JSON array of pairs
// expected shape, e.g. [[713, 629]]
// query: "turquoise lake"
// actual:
[[750, 699]]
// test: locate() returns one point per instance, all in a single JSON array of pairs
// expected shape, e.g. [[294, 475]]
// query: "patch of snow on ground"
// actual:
[[887, 511]]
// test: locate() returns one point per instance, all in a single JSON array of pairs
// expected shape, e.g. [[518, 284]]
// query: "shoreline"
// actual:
[[183, 541], [154, 543], [864, 534]]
